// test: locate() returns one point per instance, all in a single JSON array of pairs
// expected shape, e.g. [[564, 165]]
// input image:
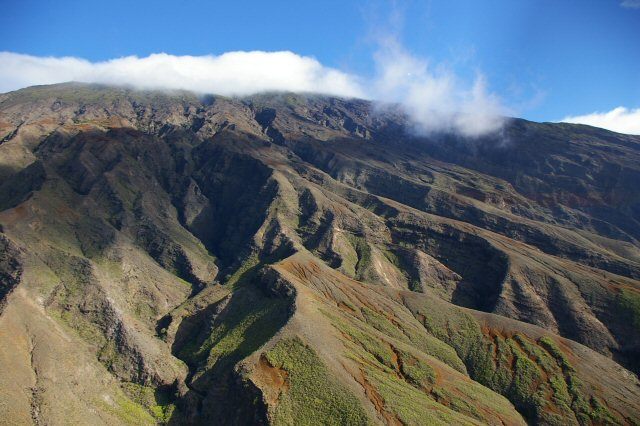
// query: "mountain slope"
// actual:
[[279, 258]]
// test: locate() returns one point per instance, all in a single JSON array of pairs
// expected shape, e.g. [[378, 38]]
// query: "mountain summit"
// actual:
[[303, 259]]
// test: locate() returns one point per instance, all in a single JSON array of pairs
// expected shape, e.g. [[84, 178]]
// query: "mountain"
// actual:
[[302, 259]]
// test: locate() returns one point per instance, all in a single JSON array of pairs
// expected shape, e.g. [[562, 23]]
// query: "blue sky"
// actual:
[[544, 59]]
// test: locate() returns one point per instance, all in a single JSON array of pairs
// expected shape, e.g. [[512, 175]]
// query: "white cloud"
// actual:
[[630, 4], [433, 96], [232, 73], [619, 119]]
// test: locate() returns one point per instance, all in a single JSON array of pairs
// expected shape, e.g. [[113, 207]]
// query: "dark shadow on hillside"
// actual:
[[214, 340]]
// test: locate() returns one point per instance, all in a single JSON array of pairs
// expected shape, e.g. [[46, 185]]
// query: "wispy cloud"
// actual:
[[630, 4], [433, 96], [621, 119]]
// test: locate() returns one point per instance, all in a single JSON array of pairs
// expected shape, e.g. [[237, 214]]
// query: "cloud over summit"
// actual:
[[434, 97], [232, 73]]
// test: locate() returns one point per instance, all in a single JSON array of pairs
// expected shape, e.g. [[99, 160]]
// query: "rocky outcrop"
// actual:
[[10, 269]]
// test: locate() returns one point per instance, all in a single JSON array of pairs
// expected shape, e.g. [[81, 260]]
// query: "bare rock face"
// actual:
[[10, 269], [169, 259]]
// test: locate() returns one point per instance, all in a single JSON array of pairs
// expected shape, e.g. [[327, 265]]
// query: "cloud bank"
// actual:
[[433, 96], [620, 119], [232, 73]]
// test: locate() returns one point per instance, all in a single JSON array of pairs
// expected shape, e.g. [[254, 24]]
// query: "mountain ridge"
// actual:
[[197, 249]]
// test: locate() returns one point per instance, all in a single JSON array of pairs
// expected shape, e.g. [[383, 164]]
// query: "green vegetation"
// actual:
[[243, 334], [551, 347], [587, 409], [108, 355], [463, 405], [87, 330], [238, 325], [376, 347], [401, 331], [408, 404], [128, 411], [379, 322], [363, 252], [526, 377], [156, 402], [247, 269], [242, 328], [430, 345], [314, 397], [599, 414], [402, 265], [405, 382], [629, 303], [415, 371], [424, 342], [393, 259], [535, 375]]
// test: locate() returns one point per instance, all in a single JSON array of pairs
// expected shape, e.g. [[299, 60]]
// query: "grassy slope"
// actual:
[[414, 359]]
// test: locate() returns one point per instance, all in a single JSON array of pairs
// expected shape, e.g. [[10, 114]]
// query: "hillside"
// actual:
[[302, 259]]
